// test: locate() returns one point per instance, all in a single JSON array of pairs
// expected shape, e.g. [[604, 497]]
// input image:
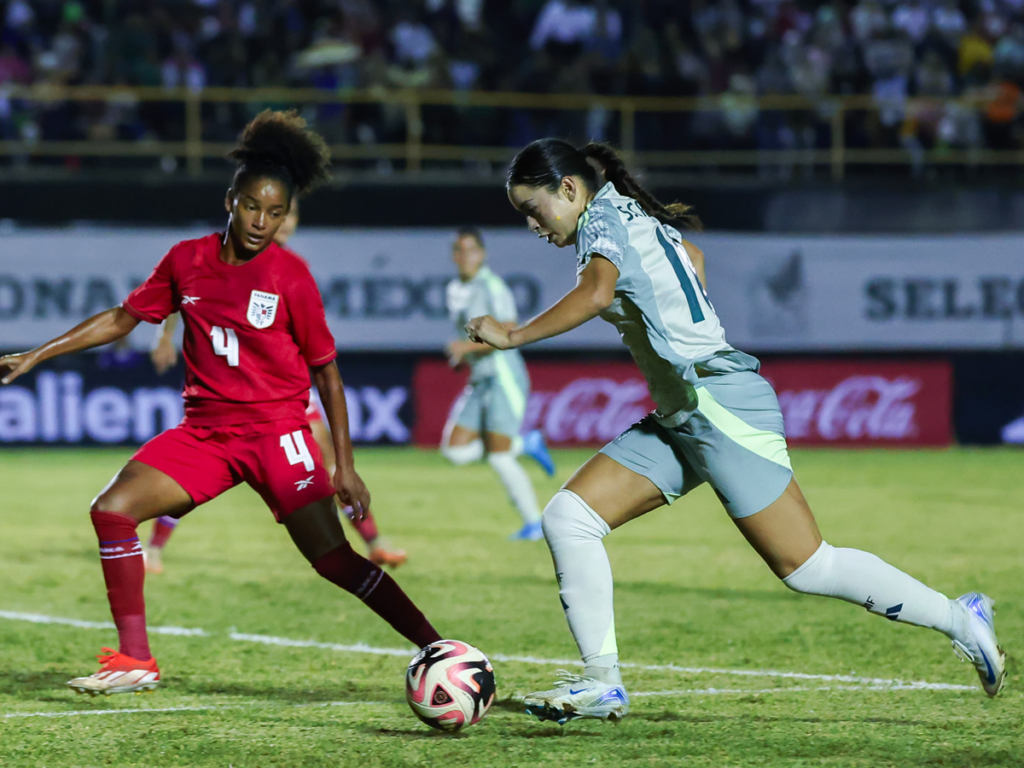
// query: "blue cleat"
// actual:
[[535, 447], [529, 532]]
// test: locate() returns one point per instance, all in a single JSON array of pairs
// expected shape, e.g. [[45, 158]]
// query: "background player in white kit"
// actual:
[[717, 421], [488, 416]]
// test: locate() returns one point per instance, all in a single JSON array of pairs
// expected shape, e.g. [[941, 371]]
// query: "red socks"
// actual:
[[367, 527], [123, 572], [162, 530], [356, 574]]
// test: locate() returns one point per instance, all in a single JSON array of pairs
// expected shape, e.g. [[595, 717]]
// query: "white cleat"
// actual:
[[982, 647], [578, 696], [152, 560], [119, 674]]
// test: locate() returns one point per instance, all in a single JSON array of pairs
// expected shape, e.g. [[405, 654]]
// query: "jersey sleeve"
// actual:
[[309, 322], [156, 298], [602, 232], [502, 301]]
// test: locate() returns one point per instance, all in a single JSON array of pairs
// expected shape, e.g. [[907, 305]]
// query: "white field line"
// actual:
[[36, 618], [871, 682], [797, 689], [76, 713]]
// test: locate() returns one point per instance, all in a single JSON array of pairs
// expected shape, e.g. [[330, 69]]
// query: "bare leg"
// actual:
[[380, 551], [784, 533], [317, 532]]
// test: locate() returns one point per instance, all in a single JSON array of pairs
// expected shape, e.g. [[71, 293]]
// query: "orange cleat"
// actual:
[[381, 556], [119, 674]]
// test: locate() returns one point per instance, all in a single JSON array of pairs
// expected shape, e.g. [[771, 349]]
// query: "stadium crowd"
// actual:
[[733, 49]]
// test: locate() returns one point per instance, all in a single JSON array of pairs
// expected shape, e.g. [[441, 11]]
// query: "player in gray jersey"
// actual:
[[488, 416], [717, 421]]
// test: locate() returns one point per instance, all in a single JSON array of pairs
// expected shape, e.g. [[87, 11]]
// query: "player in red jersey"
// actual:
[[165, 356], [254, 328]]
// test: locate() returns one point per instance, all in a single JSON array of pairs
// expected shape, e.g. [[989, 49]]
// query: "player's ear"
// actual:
[[569, 188], [227, 200]]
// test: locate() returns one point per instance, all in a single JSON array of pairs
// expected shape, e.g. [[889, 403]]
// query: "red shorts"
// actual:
[[280, 461]]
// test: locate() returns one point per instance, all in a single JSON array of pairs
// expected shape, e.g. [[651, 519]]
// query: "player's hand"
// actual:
[[13, 366], [457, 351], [164, 356], [352, 491], [489, 331]]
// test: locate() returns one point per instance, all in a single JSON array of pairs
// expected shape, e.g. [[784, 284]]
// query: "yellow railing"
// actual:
[[414, 151]]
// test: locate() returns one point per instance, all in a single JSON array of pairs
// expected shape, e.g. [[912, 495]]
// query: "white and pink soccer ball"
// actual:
[[449, 685]]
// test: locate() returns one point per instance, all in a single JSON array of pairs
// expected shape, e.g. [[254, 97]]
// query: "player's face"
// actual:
[[291, 223], [551, 215], [258, 209], [468, 255]]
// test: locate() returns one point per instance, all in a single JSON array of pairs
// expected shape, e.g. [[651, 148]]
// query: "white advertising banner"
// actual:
[[384, 289]]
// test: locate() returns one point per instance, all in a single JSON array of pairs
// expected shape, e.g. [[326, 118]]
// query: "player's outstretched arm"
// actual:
[[594, 292], [108, 326], [347, 483]]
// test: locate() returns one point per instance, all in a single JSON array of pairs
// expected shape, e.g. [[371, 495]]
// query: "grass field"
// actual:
[[712, 632]]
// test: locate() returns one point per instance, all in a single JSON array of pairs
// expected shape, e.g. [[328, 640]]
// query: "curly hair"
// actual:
[[279, 145], [545, 162]]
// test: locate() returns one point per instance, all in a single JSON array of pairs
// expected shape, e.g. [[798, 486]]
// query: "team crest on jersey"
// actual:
[[262, 309]]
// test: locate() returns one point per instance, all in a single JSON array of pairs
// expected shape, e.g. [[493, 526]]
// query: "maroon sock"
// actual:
[[163, 527], [121, 558], [356, 574], [367, 527]]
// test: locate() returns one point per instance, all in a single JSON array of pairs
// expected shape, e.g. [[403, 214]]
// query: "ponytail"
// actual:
[[545, 162], [609, 163]]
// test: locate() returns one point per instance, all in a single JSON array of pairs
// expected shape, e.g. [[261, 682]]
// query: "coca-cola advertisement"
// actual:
[[864, 402], [574, 404]]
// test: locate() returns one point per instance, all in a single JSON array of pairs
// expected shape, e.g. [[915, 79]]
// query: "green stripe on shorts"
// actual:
[[507, 381], [767, 445]]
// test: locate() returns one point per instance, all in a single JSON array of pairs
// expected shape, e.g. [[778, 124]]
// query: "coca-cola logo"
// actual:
[[588, 410], [857, 408]]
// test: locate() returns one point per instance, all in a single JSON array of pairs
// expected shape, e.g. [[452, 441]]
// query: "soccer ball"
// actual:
[[449, 685]]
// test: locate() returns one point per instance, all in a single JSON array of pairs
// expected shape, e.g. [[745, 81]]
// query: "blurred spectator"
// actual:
[[914, 56]]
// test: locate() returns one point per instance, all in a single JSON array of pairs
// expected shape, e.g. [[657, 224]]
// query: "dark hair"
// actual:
[[545, 162], [280, 146], [473, 232]]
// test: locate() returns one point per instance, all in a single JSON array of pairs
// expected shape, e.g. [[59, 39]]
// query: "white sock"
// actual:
[[574, 532], [862, 578], [517, 483], [463, 454]]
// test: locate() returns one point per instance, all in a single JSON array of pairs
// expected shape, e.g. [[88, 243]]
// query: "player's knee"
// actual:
[[568, 517], [111, 500], [463, 454], [813, 576]]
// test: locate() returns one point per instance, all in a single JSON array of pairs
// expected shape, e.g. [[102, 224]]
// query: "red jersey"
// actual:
[[251, 330]]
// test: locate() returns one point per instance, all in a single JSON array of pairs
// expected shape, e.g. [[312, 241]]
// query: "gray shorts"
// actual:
[[491, 405], [735, 441]]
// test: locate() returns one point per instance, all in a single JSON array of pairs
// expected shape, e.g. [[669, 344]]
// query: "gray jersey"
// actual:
[[660, 308], [485, 294]]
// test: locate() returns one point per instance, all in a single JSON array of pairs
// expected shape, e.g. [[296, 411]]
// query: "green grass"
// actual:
[[689, 592]]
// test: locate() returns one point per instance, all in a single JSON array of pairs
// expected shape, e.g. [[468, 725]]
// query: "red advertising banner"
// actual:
[[585, 403], [864, 402], [824, 402]]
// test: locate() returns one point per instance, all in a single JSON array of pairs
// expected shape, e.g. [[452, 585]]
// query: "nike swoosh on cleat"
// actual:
[[581, 690], [988, 665]]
